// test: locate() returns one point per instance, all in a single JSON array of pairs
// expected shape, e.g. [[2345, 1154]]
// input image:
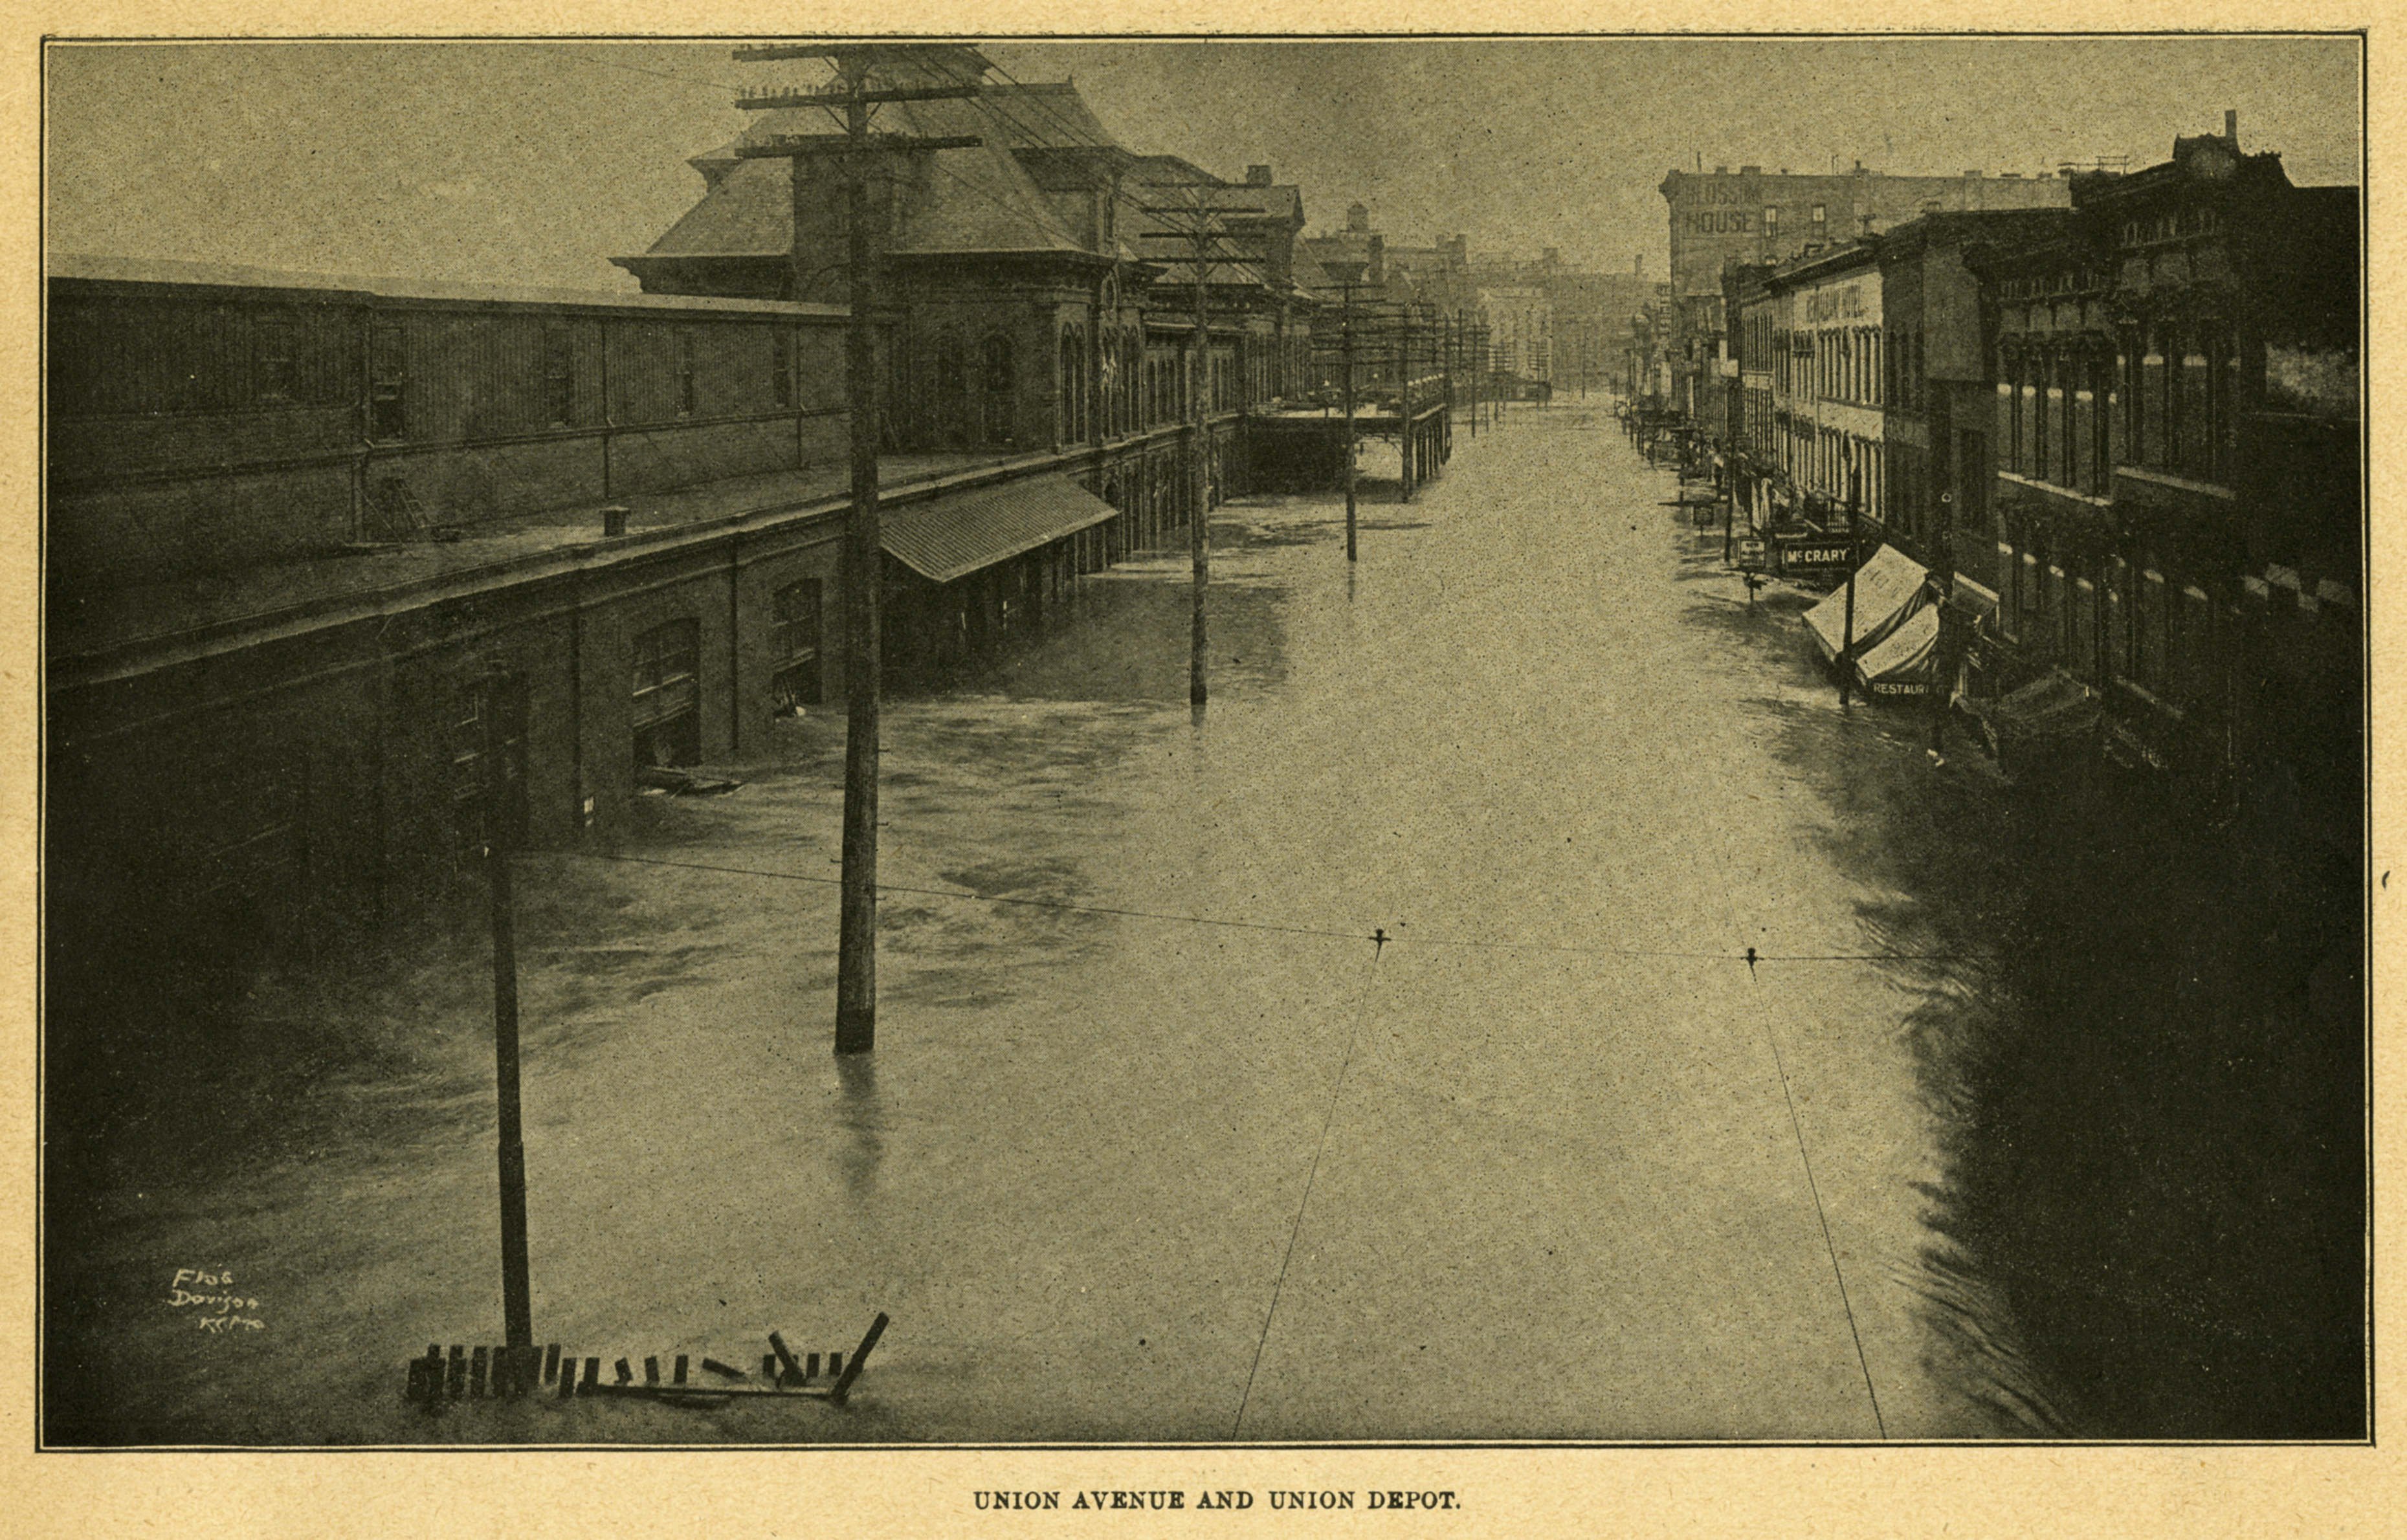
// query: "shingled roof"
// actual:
[[965, 201]]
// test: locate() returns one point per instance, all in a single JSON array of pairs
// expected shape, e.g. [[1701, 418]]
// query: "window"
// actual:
[[2042, 376], [684, 373], [388, 416], [559, 377], [998, 380], [795, 647], [489, 713], [952, 391], [667, 694], [277, 370], [1821, 216], [781, 367]]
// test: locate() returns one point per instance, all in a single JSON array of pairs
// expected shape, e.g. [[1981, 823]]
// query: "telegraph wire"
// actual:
[[1336, 1093], [1380, 937]]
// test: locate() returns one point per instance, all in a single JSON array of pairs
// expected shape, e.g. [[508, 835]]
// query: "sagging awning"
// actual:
[[1888, 590], [1907, 662], [959, 534]]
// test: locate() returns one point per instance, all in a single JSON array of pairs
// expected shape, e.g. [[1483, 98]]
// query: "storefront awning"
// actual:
[[1889, 589], [954, 535], [1907, 662]]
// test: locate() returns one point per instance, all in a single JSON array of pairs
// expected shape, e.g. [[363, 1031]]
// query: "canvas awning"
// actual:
[[1907, 661], [1888, 590], [957, 534]]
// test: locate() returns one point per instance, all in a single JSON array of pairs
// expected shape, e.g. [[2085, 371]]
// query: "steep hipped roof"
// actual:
[[959, 201]]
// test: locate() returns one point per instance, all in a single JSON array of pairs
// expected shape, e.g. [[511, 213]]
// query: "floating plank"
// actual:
[[622, 1371], [811, 1367], [458, 1380], [680, 1368], [652, 1370], [717, 1368], [551, 1364], [592, 1376], [567, 1377]]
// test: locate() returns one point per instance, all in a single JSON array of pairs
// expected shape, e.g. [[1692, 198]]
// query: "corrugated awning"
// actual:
[[952, 536]]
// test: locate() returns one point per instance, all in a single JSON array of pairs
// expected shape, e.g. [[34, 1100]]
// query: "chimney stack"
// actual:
[[1258, 176], [2231, 127]]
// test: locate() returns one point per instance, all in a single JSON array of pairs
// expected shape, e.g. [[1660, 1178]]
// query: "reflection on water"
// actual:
[[2082, 1162]]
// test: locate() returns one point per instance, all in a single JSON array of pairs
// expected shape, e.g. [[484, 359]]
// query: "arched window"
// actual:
[[1073, 385], [948, 425], [998, 393]]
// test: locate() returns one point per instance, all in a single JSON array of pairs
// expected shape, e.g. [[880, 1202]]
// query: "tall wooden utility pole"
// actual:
[[1348, 336], [518, 1313], [1847, 636], [1201, 236], [1404, 392], [856, 981]]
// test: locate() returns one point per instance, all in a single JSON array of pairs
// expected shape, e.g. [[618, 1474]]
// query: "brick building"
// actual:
[[2177, 421], [1747, 216]]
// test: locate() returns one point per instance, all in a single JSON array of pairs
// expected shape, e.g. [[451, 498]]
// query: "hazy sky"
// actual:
[[534, 162]]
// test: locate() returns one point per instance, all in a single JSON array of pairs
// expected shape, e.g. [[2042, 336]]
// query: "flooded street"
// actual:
[[1158, 1143]]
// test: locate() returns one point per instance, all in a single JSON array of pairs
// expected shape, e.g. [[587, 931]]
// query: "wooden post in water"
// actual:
[[518, 1318]]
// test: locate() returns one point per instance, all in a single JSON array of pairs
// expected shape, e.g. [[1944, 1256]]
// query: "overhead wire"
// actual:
[[1381, 936]]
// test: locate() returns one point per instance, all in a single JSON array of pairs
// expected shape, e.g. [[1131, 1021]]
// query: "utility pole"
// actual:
[[856, 985], [1847, 636], [1198, 543], [1405, 394], [517, 1314], [1348, 355]]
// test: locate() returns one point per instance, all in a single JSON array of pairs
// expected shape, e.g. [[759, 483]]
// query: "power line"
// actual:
[[1389, 938]]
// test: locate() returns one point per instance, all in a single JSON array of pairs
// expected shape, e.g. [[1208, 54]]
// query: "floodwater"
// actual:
[[1159, 1143]]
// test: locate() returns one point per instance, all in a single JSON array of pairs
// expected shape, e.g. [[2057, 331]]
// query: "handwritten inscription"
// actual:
[[209, 1295]]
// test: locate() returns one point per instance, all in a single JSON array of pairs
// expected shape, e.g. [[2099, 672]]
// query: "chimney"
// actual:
[[2231, 127], [1750, 171], [1721, 171], [1258, 176], [1356, 217], [1974, 174]]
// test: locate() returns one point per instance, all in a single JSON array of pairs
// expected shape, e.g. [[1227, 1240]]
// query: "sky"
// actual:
[[536, 163]]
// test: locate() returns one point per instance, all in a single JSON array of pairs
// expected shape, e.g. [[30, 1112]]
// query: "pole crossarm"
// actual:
[[784, 145]]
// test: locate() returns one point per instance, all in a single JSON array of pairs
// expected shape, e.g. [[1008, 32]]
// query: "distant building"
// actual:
[[1746, 216]]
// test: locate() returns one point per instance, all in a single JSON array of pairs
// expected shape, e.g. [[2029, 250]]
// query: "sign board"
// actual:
[[1814, 552], [1751, 555]]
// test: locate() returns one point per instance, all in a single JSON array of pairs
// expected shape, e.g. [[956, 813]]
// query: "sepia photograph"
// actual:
[[1120, 741]]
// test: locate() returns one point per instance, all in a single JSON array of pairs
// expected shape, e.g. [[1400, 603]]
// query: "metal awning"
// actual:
[[954, 535]]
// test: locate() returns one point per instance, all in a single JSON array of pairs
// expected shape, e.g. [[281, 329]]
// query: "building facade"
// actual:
[[2177, 421], [1749, 216]]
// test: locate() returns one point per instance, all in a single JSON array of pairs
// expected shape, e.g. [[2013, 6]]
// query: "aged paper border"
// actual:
[[2051, 1489]]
